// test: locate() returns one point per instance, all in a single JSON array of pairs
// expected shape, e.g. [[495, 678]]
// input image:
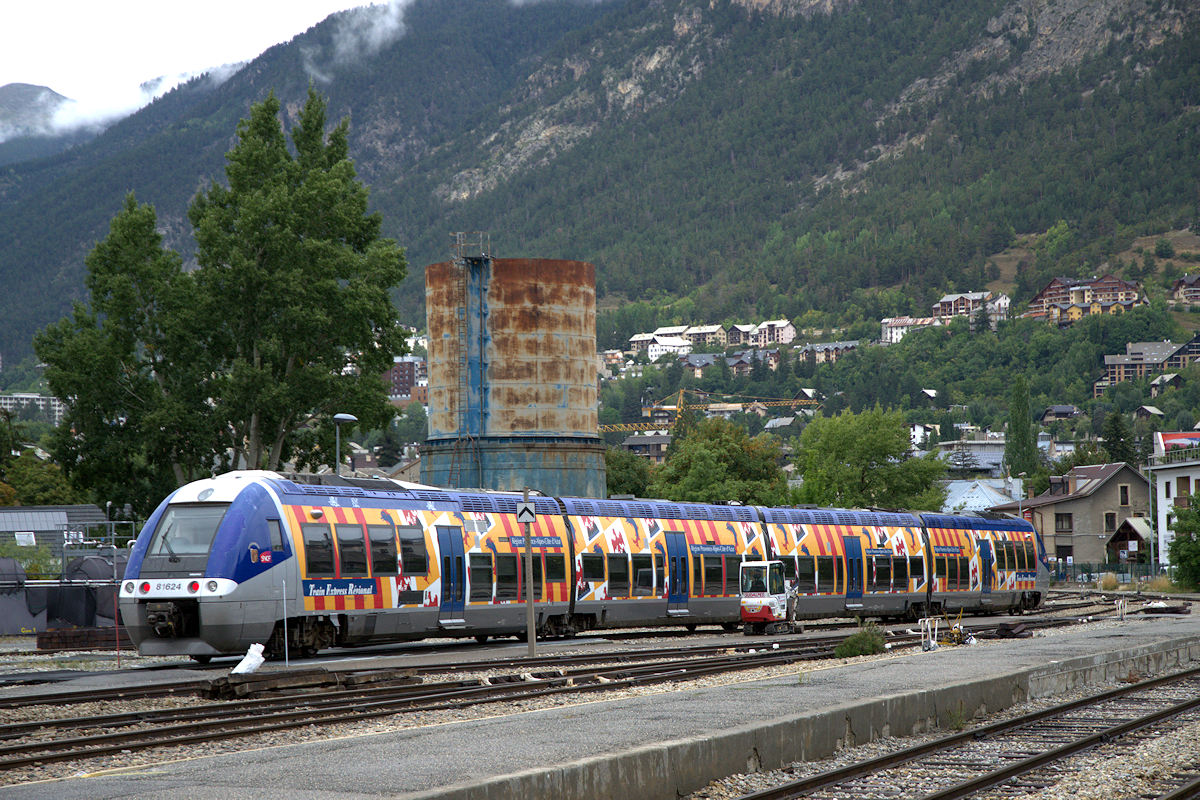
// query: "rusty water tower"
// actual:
[[512, 374]]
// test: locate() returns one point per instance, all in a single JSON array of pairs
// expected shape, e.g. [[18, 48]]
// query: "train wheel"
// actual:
[[201, 659], [691, 627], [729, 627], [481, 638]]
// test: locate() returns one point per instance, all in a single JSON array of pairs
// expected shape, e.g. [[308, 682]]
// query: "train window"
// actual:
[[414, 560], [1000, 555], [660, 574], [900, 574], [789, 567], [383, 549], [275, 531], [593, 568], [556, 568], [506, 577], [883, 573], [618, 575], [352, 551], [481, 577], [714, 576], [1030, 556], [538, 588], [825, 575], [697, 575], [916, 567], [942, 570], [643, 576], [964, 573], [732, 566], [839, 578], [318, 548], [806, 575]]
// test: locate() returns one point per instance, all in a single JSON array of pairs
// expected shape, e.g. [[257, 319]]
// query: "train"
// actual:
[[300, 564]]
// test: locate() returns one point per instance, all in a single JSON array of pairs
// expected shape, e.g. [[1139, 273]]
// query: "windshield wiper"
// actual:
[[174, 559]]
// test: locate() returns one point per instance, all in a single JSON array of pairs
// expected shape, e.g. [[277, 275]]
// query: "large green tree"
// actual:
[[1118, 439], [626, 473], [1184, 549], [864, 461], [296, 272], [169, 374], [1020, 447], [719, 462]]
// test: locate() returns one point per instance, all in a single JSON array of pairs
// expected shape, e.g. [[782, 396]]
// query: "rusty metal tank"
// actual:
[[512, 376]]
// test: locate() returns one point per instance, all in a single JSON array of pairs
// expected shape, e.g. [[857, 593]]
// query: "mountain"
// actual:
[[27, 129], [728, 158]]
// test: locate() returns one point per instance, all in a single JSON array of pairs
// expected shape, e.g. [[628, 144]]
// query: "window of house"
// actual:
[[1167, 489], [1123, 491], [1110, 520], [1063, 523]]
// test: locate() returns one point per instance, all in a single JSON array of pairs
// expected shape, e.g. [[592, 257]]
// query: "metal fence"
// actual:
[[1126, 573]]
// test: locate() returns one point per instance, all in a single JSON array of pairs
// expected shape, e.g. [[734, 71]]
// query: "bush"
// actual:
[[1161, 584], [1108, 582], [867, 641]]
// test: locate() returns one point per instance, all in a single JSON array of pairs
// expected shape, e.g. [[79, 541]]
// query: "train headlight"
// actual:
[[129, 587], [145, 587], [211, 586], [193, 587]]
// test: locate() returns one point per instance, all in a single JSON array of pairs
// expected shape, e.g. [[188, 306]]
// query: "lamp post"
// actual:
[[338, 419]]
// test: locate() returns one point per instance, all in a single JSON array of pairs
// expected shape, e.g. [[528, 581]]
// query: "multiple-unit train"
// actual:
[[290, 562]]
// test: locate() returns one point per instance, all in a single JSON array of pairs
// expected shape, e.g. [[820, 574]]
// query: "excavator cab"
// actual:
[[767, 604]]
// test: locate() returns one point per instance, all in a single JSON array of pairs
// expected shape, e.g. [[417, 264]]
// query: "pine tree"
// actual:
[[1020, 450]]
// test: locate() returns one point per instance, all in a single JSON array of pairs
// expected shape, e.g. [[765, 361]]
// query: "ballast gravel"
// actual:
[[1164, 759]]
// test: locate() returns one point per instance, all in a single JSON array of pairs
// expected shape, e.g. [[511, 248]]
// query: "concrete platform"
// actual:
[[665, 744]]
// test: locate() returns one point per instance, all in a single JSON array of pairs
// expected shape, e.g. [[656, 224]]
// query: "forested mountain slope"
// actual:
[[756, 158]]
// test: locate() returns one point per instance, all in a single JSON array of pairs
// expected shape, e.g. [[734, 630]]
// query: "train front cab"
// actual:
[[207, 569]]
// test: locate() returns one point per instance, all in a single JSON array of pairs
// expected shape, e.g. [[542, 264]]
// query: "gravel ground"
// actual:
[[732, 787]]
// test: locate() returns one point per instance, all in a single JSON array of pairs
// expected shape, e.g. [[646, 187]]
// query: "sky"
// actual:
[[99, 53]]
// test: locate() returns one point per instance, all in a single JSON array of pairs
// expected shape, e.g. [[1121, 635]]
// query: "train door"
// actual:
[[450, 546], [854, 567], [677, 573], [986, 568]]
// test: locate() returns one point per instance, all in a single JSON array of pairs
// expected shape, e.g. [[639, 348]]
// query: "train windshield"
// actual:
[[187, 530]]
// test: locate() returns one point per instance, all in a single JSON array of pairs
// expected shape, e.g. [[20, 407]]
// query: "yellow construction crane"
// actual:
[[675, 410]]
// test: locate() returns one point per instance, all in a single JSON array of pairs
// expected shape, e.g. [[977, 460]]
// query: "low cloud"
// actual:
[[358, 33]]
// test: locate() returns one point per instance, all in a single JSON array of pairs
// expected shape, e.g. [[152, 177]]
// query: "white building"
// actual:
[[663, 345], [893, 329], [13, 403], [1174, 472]]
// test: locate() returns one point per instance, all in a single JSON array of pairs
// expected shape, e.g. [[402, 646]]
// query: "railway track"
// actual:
[[365, 696], [1016, 756]]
